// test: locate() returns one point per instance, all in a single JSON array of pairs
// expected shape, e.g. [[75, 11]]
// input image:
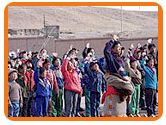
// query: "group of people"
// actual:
[[43, 85]]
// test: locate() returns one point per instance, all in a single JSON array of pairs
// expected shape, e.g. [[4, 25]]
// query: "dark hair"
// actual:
[[151, 45], [115, 43], [46, 61], [72, 51], [92, 64], [149, 58], [41, 70], [89, 50], [54, 59]]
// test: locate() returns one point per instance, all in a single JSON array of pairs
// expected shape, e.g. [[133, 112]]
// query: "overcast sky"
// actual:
[[141, 8]]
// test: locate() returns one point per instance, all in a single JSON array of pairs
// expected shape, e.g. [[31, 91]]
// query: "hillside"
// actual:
[[86, 21]]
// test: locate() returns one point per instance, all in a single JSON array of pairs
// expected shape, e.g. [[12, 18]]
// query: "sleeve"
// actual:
[[142, 63], [64, 67], [84, 53], [107, 51], [20, 94], [36, 75], [32, 80], [55, 85], [88, 70], [9, 94], [104, 84]]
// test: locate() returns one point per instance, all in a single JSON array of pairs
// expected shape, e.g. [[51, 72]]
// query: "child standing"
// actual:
[[52, 79], [43, 90], [97, 85], [135, 75], [72, 84], [150, 85], [58, 98], [15, 94]]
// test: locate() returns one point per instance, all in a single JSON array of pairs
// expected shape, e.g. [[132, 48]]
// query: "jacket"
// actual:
[[114, 62], [96, 81], [43, 86], [150, 76], [72, 80]]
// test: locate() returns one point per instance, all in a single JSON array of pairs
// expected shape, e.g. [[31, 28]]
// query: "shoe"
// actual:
[[137, 115], [81, 109], [130, 115], [78, 115], [144, 115], [152, 115]]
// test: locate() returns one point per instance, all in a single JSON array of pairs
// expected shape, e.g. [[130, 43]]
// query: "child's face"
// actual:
[[70, 66], [13, 76], [95, 67], [57, 63], [47, 66], [134, 65], [44, 74], [153, 50], [93, 52], [117, 49], [151, 63], [137, 55], [13, 62]]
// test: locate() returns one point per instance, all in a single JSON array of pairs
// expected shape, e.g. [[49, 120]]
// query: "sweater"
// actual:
[[15, 93]]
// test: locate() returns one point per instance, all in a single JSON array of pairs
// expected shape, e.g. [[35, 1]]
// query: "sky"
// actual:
[[137, 8]]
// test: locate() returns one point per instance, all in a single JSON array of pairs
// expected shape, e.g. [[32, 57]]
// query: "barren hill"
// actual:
[[86, 21]]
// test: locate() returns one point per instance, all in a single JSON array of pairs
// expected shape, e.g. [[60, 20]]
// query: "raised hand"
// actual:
[[87, 45]]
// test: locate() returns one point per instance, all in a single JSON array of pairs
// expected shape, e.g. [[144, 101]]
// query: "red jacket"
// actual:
[[29, 80], [72, 80]]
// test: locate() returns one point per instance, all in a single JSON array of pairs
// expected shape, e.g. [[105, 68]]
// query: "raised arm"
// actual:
[[64, 67]]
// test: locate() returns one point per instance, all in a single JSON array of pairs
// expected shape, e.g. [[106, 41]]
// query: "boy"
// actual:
[[52, 79], [43, 90], [135, 75], [97, 85], [150, 85], [15, 94], [58, 98]]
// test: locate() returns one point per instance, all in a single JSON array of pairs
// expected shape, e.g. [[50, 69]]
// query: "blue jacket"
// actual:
[[114, 62], [150, 76], [96, 81], [43, 87]]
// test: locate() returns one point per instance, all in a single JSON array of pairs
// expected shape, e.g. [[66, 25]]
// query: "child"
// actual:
[[58, 98], [52, 79], [88, 56], [97, 85], [43, 90], [15, 94], [150, 85], [135, 75], [72, 84], [23, 82]]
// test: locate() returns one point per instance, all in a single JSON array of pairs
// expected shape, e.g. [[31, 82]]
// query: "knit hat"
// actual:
[[137, 50], [10, 71], [132, 59]]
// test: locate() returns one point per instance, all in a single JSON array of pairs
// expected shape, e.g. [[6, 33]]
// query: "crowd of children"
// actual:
[[42, 85]]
